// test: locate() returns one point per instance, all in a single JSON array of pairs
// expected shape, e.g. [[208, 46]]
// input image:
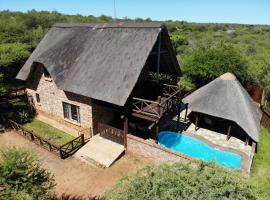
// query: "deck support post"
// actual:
[[125, 131], [158, 55], [157, 131], [229, 132], [196, 122], [159, 106]]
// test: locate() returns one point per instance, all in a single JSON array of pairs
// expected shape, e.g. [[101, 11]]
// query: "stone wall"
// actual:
[[52, 98], [153, 152]]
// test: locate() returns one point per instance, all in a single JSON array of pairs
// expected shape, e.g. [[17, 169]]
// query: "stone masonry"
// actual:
[[52, 98]]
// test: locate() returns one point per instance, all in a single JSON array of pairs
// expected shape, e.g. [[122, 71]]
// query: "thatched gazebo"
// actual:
[[225, 98]]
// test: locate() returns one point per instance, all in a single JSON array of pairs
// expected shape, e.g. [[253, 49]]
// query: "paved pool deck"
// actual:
[[216, 138]]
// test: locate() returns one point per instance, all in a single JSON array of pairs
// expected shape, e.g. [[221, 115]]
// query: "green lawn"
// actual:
[[47, 131], [260, 172]]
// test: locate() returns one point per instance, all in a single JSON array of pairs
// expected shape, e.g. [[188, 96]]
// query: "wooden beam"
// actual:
[[229, 132], [125, 131], [158, 55], [151, 126]]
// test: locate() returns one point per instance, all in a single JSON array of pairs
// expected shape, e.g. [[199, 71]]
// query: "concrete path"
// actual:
[[103, 151]]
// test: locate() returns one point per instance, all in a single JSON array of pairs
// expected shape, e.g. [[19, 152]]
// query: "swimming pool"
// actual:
[[198, 149]]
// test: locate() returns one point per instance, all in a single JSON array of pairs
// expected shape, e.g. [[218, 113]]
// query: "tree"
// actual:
[[205, 64], [22, 177], [185, 181]]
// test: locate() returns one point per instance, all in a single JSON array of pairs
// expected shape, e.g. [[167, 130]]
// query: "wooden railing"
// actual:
[[111, 133], [265, 121], [72, 146], [169, 89], [156, 109], [145, 107], [63, 151], [45, 143]]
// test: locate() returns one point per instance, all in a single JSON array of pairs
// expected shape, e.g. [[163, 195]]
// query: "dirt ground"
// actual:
[[74, 176]]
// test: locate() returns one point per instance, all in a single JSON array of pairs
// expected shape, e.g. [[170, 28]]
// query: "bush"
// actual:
[[184, 181], [22, 177]]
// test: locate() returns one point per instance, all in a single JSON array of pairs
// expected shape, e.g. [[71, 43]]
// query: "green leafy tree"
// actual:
[[185, 181], [22, 176], [205, 64]]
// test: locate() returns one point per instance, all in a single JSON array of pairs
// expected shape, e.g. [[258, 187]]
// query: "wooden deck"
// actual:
[[154, 110]]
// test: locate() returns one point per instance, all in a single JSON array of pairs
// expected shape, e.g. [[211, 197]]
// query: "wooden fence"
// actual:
[[72, 146], [265, 121], [111, 133], [63, 151]]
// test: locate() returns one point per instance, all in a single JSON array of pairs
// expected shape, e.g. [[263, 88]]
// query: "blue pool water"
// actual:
[[198, 149]]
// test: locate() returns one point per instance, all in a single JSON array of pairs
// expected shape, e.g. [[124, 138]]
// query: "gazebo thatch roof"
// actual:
[[100, 61], [226, 98]]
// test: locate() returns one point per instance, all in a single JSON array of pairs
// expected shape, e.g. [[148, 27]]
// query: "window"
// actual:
[[37, 98], [71, 112]]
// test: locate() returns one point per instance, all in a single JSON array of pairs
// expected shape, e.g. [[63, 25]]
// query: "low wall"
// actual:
[[153, 152]]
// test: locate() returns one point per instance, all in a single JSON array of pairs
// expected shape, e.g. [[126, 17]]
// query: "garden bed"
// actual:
[[49, 132]]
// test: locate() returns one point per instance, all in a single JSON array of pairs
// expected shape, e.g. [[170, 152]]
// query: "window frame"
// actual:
[[71, 112], [37, 98]]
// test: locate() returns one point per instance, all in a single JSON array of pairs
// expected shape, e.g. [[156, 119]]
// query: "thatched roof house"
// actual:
[[225, 98], [103, 61]]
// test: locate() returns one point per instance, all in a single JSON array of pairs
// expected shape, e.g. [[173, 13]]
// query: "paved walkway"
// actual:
[[74, 176]]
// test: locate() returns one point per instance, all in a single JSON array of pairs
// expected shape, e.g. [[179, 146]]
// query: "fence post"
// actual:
[[32, 136], [82, 138]]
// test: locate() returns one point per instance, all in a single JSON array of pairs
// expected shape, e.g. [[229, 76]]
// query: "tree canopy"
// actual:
[[205, 64]]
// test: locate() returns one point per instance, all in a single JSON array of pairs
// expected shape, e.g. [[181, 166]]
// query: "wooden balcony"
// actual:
[[154, 110]]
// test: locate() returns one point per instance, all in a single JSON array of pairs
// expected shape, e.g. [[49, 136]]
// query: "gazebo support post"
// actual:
[[196, 122], [229, 132], [186, 112], [247, 141]]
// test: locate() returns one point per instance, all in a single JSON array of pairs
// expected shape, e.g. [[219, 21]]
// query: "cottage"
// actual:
[[104, 76]]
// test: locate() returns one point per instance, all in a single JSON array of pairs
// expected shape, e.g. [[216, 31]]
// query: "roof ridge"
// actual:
[[111, 25]]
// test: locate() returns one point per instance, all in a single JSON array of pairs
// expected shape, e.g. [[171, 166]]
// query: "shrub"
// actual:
[[184, 181], [22, 177]]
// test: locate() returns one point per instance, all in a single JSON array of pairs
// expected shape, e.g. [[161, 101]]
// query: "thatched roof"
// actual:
[[100, 61], [225, 97]]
